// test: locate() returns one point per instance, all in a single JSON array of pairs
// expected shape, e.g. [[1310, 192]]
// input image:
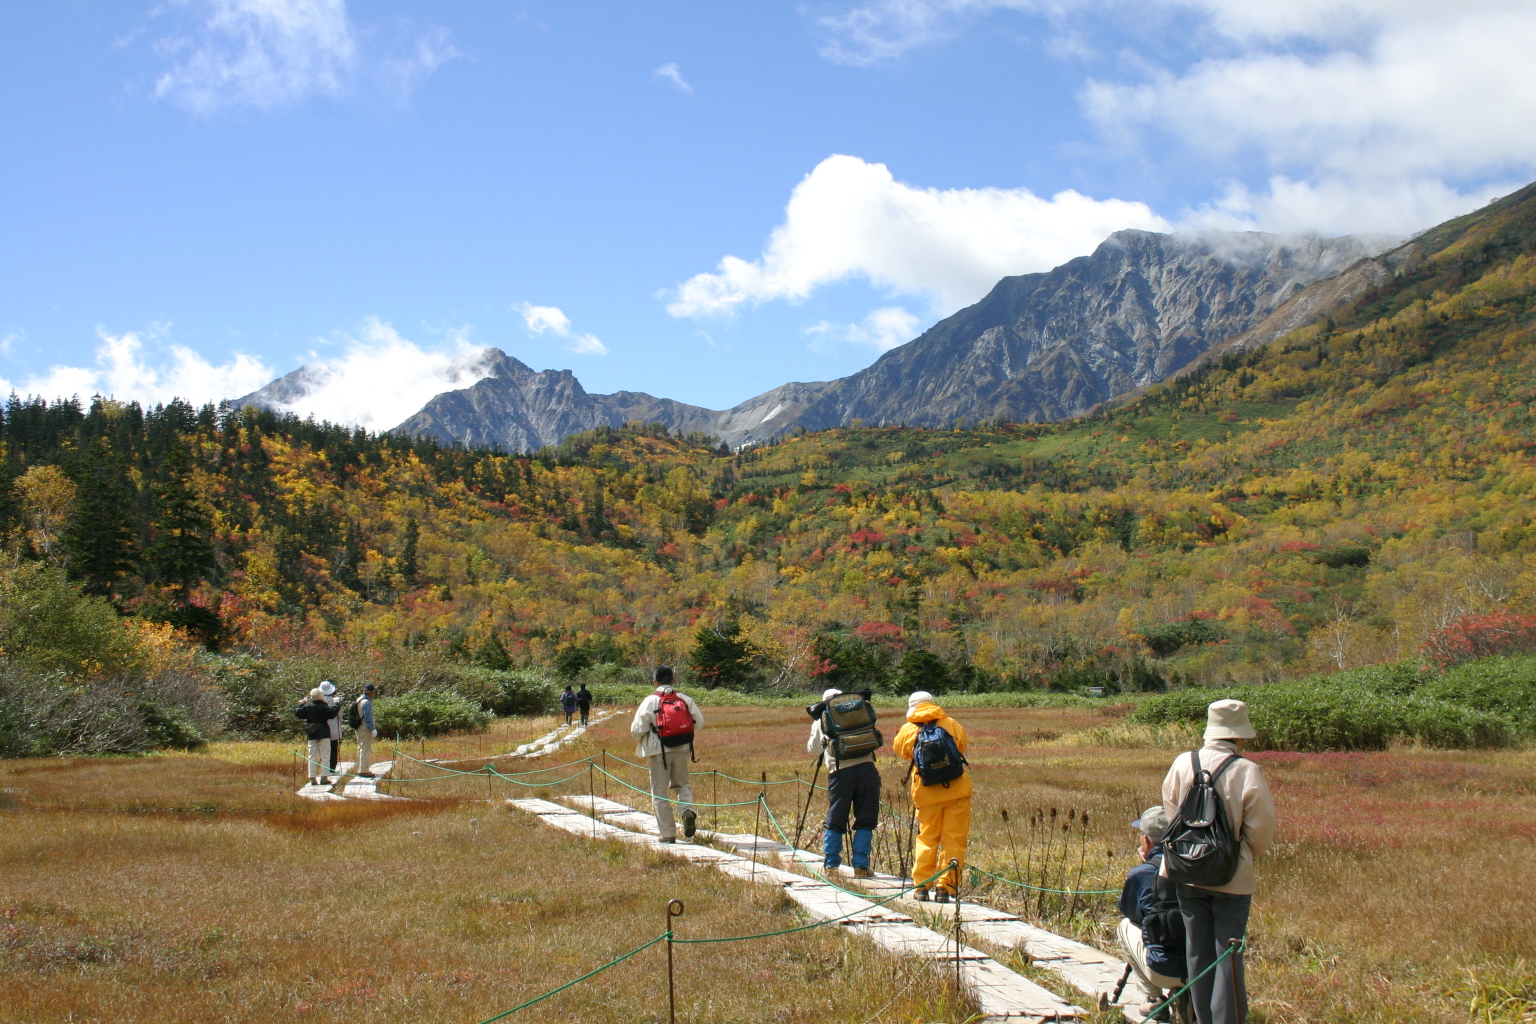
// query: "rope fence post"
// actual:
[[757, 813], [592, 799], [675, 908], [954, 867], [1235, 964]]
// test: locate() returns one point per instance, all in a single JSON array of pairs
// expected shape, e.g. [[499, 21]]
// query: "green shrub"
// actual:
[[1320, 714], [260, 701], [427, 713], [1503, 686]]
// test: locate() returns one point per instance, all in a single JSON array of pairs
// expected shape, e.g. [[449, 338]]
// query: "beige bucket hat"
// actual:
[[1228, 720]]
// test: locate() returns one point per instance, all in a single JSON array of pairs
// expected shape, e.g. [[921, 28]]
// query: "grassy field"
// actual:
[[169, 888]]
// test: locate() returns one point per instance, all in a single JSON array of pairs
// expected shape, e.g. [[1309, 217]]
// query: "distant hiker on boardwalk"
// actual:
[[843, 732], [316, 715], [941, 791], [568, 704], [1221, 818], [328, 688], [1151, 926], [360, 717], [584, 703], [664, 725]]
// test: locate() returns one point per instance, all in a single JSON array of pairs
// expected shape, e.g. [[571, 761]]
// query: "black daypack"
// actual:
[[1163, 925], [354, 715], [1199, 847], [936, 757], [849, 727]]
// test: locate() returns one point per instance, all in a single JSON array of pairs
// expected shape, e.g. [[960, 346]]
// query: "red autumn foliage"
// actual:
[[1481, 636]]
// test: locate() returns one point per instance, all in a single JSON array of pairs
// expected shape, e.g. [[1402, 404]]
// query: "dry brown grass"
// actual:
[[197, 888], [189, 889]]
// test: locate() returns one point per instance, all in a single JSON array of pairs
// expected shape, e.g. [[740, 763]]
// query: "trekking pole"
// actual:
[[674, 909], [805, 813], [1125, 976]]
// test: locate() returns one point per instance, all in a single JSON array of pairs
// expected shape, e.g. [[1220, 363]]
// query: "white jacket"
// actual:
[[643, 728]]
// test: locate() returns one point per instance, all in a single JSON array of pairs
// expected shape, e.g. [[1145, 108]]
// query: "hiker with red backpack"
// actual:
[[844, 736], [664, 725], [941, 792], [1221, 818]]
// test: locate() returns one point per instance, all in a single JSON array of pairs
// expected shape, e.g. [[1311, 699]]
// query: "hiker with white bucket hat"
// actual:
[[317, 715], [1221, 819], [328, 688], [843, 734]]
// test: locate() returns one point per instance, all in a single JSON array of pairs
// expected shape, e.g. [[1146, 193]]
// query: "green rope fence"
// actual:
[[974, 870], [664, 936], [1236, 946]]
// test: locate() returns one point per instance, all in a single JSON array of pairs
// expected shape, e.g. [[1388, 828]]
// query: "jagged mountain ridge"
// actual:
[[1038, 347]]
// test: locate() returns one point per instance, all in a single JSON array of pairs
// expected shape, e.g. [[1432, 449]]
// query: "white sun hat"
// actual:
[[829, 694], [1228, 720], [920, 697]]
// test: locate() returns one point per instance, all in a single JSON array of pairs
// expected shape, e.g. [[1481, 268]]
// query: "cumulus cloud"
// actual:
[[269, 53], [124, 371], [672, 73], [552, 319], [852, 219], [883, 329], [381, 378], [1363, 114]]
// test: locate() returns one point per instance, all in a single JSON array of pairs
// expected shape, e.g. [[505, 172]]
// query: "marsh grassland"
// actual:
[[197, 888]]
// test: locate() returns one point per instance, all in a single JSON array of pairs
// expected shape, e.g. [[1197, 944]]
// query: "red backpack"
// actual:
[[674, 722]]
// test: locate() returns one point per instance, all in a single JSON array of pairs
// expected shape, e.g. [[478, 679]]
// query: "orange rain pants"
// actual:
[[945, 826]]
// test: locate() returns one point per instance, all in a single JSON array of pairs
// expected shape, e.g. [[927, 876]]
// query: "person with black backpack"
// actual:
[[941, 792], [1221, 818], [360, 718], [1151, 929], [843, 733], [663, 727]]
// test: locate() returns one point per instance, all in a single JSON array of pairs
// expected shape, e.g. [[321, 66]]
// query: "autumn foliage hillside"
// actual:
[[1358, 492]]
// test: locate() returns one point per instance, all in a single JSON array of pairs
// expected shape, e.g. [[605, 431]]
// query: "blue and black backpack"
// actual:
[[936, 757]]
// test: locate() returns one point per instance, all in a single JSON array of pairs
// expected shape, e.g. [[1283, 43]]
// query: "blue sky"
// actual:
[[699, 200]]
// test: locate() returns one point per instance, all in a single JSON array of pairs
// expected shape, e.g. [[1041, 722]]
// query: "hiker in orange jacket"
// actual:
[[943, 808]]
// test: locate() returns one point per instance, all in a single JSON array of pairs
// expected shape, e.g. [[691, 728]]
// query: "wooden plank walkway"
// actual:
[[1091, 971], [1002, 995]]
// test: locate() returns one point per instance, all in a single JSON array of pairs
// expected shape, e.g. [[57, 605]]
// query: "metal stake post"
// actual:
[[674, 909], [954, 866], [1232, 965], [605, 773], [591, 801]]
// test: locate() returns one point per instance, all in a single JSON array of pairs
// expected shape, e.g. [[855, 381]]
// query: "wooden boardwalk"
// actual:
[[1002, 995]]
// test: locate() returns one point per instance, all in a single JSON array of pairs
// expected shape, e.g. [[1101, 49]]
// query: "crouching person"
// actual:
[[664, 725], [843, 732], [1221, 818], [1151, 926], [941, 792]]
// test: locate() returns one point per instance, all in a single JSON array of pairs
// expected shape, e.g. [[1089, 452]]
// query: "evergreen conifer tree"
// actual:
[[180, 552], [101, 537], [408, 566]]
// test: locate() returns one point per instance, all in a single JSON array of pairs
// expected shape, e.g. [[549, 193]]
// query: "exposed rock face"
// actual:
[[1039, 347], [1054, 345]]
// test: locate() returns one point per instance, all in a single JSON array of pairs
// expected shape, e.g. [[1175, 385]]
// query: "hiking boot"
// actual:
[[667, 839], [941, 896], [921, 895], [863, 873], [690, 822]]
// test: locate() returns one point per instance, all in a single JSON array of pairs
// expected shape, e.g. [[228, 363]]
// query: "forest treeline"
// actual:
[[1357, 493]]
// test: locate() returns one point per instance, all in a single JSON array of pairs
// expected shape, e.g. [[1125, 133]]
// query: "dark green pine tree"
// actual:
[[493, 653], [408, 567], [351, 558], [101, 536], [180, 551]]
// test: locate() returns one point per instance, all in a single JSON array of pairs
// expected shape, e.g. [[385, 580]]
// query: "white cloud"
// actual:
[[381, 378], [552, 319], [883, 329], [848, 218], [270, 53], [1343, 115], [672, 73], [122, 371]]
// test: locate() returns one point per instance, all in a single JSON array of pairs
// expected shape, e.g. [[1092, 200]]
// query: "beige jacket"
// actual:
[[643, 728], [1244, 793]]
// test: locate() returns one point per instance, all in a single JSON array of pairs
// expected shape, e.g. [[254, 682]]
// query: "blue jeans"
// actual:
[[1211, 919]]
